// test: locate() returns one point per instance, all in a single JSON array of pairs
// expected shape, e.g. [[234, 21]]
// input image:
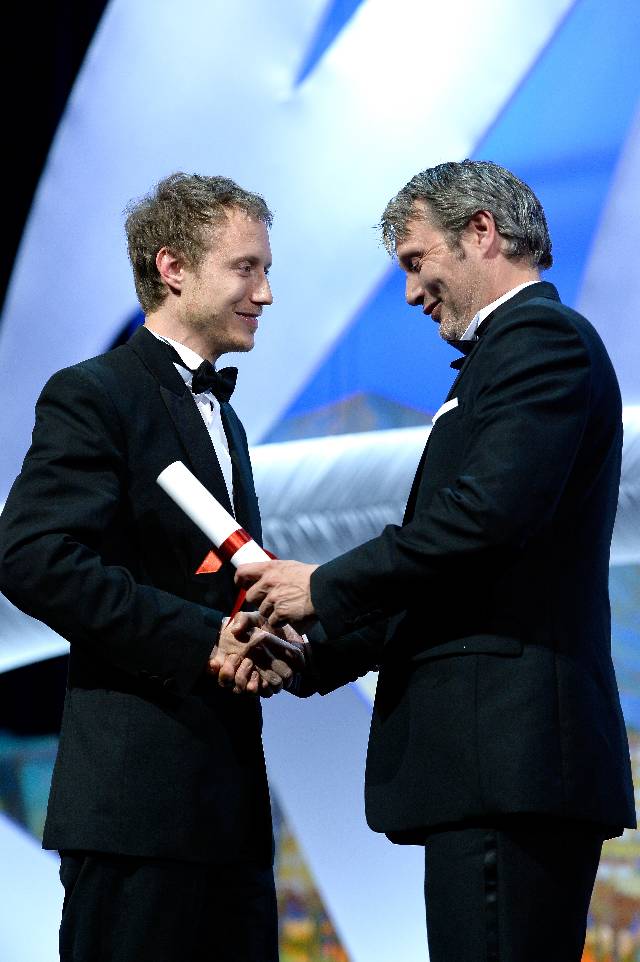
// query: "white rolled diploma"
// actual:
[[207, 513]]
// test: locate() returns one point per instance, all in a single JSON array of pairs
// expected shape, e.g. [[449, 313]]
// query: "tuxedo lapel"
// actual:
[[413, 494], [541, 290], [197, 443], [461, 370], [191, 429], [244, 494]]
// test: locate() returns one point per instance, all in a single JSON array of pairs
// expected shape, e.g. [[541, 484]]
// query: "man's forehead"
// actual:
[[419, 210], [231, 220], [236, 227], [417, 229]]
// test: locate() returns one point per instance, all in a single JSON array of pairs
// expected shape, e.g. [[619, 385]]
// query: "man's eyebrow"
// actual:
[[408, 254], [251, 258]]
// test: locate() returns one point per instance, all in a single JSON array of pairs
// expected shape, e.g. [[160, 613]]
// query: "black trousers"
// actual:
[[121, 909], [516, 890]]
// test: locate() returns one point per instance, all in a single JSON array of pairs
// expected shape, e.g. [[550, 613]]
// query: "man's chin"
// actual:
[[451, 329], [241, 346], [446, 331], [246, 345]]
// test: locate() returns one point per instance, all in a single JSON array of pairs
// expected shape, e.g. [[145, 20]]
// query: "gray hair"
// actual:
[[453, 192], [180, 213]]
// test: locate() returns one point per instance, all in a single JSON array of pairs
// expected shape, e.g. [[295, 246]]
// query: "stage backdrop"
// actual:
[[327, 107]]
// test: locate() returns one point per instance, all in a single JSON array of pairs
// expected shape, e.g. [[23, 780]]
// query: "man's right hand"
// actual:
[[249, 658]]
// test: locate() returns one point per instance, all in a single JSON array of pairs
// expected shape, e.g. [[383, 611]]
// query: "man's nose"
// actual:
[[262, 294], [414, 291]]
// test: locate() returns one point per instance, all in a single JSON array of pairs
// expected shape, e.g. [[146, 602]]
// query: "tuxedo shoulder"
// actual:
[[541, 314], [546, 311], [544, 331], [101, 371]]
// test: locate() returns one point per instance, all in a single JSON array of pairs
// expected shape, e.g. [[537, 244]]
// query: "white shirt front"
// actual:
[[208, 407], [484, 312]]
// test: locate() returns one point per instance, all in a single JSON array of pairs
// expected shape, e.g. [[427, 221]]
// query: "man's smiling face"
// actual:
[[442, 277], [222, 297]]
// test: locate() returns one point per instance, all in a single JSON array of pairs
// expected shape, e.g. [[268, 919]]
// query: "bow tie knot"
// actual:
[[206, 378], [465, 348], [220, 383]]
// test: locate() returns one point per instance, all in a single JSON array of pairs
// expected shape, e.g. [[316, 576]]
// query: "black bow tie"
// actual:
[[464, 347], [206, 378], [220, 383]]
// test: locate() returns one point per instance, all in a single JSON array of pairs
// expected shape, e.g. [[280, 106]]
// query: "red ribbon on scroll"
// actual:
[[216, 557]]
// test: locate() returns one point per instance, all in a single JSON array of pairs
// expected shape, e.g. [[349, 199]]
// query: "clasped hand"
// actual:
[[252, 657], [281, 590]]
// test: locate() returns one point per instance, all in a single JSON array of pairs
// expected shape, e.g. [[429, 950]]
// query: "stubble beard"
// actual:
[[457, 319], [452, 327], [457, 316]]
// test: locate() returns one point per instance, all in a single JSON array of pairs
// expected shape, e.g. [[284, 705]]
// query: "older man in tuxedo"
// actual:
[[497, 739], [159, 803]]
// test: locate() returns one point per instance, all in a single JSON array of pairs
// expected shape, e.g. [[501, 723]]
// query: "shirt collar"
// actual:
[[190, 359], [484, 312]]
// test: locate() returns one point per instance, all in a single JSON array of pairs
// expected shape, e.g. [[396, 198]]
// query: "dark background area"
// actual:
[[44, 47]]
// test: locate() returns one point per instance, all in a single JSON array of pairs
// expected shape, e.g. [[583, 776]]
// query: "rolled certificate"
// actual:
[[232, 542]]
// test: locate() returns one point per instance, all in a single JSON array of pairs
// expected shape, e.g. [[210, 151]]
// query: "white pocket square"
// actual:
[[447, 406]]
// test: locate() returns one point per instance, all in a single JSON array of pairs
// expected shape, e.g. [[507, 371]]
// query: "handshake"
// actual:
[[253, 657], [259, 652]]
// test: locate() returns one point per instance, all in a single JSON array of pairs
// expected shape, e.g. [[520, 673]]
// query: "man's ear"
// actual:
[[171, 268], [483, 233]]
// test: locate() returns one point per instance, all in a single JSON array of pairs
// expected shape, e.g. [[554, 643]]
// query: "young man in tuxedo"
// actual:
[[497, 738], [159, 803]]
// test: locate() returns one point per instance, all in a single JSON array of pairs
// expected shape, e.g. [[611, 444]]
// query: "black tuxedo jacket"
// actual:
[[496, 693], [154, 759]]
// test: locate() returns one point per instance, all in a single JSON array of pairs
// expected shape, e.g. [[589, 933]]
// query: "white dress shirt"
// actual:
[[472, 330], [208, 407]]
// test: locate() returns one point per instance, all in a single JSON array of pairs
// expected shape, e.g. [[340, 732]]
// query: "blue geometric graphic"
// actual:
[[562, 130], [334, 19]]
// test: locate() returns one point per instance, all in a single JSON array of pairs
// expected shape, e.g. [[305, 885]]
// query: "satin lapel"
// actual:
[[197, 443], [465, 367], [244, 494], [542, 289], [200, 455], [413, 494]]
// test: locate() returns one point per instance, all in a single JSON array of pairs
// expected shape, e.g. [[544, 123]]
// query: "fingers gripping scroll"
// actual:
[[280, 589]]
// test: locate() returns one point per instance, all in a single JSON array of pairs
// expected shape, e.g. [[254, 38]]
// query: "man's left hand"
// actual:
[[280, 589], [262, 662], [282, 652]]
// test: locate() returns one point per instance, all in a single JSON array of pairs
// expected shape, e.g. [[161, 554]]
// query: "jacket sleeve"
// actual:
[[332, 663], [61, 508], [525, 429]]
